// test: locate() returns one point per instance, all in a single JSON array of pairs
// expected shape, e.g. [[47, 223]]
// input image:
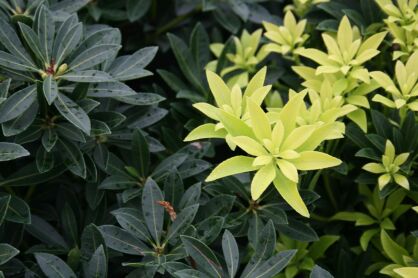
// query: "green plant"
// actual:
[[260, 149]]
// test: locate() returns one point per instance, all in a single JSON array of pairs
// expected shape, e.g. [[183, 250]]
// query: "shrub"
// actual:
[[278, 139]]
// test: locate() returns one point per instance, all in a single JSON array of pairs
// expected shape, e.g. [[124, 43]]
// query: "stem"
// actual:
[[329, 192], [317, 217], [9, 189], [29, 193], [173, 23], [314, 180]]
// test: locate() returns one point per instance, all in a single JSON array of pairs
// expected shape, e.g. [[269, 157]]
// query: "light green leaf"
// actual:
[[205, 131], [288, 169], [259, 121], [262, 179], [289, 191], [407, 272], [313, 160], [219, 89], [392, 249], [249, 145], [359, 117], [297, 137], [232, 166]]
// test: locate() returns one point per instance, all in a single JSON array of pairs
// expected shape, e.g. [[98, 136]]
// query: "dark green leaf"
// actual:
[[49, 139], [231, 253], [7, 252], [182, 222], [186, 61], [73, 113], [73, 158], [50, 89], [143, 99], [97, 266], [10, 151], [43, 231], [137, 9], [140, 153], [110, 89], [152, 211], [17, 104], [93, 56], [122, 241], [87, 76], [118, 182], [273, 266], [91, 240], [263, 250], [52, 266], [319, 272], [203, 256], [44, 160], [69, 224], [132, 66], [298, 231], [131, 220], [22, 122]]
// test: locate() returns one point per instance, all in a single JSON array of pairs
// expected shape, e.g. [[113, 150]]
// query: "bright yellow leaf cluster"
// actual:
[[245, 59], [403, 260], [231, 101], [389, 169], [288, 38], [301, 7], [402, 22], [342, 66], [277, 144], [403, 94]]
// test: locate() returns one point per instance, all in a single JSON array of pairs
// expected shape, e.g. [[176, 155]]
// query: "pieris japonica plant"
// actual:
[[278, 140], [286, 39], [57, 73], [277, 146], [244, 60], [342, 65], [403, 94], [402, 23]]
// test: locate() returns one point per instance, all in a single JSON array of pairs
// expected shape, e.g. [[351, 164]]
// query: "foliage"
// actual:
[[278, 138]]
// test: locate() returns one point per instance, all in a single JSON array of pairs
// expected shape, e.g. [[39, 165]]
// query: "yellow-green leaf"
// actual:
[[289, 191], [392, 249], [259, 121], [219, 89], [288, 169], [262, 179], [313, 160], [205, 131], [407, 272], [249, 145], [375, 168], [232, 166]]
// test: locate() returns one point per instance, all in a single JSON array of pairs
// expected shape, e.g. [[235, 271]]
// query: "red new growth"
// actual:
[[169, 208], [50, 70]]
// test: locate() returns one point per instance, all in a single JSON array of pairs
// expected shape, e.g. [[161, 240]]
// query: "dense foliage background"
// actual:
[[111, 126]]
